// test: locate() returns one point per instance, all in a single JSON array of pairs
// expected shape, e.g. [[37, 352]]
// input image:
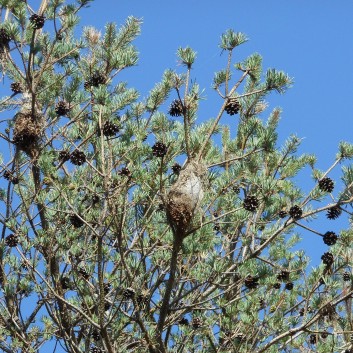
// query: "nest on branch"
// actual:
[[184, 197], [28, 130]]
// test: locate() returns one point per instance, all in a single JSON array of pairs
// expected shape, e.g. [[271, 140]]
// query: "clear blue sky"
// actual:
[[310, 40]]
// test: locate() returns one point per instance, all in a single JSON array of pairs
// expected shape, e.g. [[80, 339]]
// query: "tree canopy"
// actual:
[[126, 228]]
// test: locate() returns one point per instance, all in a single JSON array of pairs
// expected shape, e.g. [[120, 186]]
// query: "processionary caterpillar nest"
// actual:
[[185, 196], [27, 132]]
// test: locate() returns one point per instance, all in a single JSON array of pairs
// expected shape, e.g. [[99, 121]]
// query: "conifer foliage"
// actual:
[[126, 228]]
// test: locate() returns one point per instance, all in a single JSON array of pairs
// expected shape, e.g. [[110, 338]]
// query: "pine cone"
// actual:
[[330, 238], [295, 212], [62, 108], [4, 38], [77, 157], [176, 168], [11, 240], [159, 149], [251, 282], [97, 79], [326, 184], [232, 107], [110, 129], [346, 276], [7, 175], [196, 323], [283, 276], [251, 203], [176, 108], [327, 258], [333, 212], [16, 87], [37, 21]]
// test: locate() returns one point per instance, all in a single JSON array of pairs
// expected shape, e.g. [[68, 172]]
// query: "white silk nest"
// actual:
[[185, 196]]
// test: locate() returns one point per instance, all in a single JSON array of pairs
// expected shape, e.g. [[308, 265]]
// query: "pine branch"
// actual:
[[218, 118], [222, 164], [295, 332], [168, 289]]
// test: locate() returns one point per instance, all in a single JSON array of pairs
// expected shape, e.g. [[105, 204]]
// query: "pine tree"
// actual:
[[111, 245]]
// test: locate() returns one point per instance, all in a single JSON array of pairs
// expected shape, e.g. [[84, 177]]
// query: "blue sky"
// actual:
[[311, 41]]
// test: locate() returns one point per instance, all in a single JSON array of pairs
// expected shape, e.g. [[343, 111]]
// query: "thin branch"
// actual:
[[235, 158], [228, 71], [300, 329], [213, 128], [168, 290]]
